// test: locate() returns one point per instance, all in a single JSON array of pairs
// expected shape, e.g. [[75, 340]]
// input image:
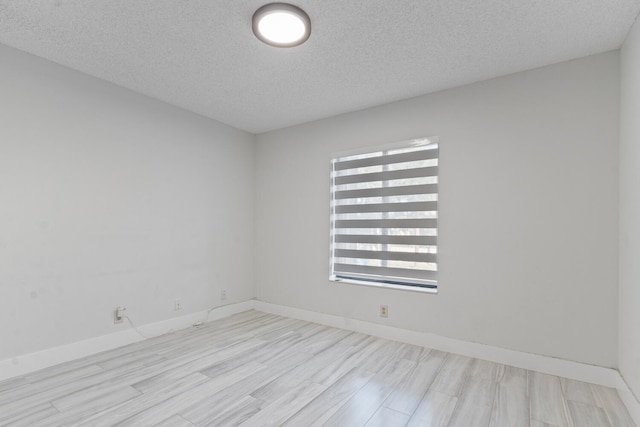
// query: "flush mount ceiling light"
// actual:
[[281, 25]]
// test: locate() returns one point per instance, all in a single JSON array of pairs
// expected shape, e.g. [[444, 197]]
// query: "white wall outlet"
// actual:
[[384, 311], [118, 315], [223, 295], [177, 305]]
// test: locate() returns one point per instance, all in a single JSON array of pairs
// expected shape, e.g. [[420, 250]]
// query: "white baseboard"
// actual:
[[548, 365], [629, 399], [607, 377], [579, 371], [24, 364]]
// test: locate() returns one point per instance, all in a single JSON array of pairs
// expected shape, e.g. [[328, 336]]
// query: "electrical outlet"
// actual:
[[384, 311], [118, 315], [177, 305], [223, 294]]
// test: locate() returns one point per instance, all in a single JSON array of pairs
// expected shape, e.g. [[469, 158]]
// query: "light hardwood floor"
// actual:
[[257, 369]]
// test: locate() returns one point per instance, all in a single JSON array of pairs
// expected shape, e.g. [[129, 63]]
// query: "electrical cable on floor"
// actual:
[[136, 329], [206, 319], [141, 333]]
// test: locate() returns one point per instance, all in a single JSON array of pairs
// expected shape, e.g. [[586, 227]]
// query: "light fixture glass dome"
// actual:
[[281, 25]]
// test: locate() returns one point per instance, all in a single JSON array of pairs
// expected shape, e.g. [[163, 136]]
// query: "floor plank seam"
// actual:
[[255, 369]]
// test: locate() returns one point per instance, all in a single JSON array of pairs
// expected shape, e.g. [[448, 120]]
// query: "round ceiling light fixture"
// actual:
[[281, 25]]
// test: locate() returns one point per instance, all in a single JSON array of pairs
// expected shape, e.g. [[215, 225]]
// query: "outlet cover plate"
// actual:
[[384, 311]]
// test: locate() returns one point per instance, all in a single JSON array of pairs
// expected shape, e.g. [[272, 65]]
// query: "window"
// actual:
[[384, 216]]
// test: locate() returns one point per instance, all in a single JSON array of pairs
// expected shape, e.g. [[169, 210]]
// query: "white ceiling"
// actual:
[[201, 54]]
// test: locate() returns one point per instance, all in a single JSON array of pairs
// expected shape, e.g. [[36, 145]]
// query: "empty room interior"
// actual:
[[324, 213]]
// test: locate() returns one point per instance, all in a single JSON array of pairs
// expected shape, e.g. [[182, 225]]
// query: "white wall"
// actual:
[[528, 221], [629, 336], [110, 198]]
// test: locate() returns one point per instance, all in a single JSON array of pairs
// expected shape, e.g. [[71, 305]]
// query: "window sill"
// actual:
[[386, 286]]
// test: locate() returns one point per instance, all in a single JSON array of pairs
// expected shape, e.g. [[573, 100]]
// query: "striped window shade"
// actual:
[[384, 216]]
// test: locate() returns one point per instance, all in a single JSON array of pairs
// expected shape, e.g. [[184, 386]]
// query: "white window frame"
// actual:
[[380, 237]]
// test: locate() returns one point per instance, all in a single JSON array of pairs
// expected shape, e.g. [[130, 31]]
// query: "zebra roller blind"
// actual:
[[384, 215]]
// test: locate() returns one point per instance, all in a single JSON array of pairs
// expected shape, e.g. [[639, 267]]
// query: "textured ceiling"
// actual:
[[201, 54]]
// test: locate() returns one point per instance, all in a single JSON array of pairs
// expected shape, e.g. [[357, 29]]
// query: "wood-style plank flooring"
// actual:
[[257, 369]]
